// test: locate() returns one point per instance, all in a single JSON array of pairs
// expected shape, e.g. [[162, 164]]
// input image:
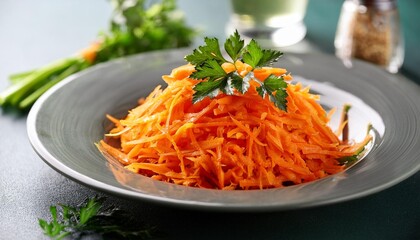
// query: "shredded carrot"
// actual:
[[228, 142], [89, 53]]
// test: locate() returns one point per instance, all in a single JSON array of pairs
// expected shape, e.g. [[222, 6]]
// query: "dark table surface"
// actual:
[[33, 33]]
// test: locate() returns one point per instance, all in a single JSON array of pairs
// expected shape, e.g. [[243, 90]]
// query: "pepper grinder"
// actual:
[[370, 30]]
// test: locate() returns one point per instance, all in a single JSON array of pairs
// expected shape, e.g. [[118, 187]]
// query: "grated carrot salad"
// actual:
[[230, 142]]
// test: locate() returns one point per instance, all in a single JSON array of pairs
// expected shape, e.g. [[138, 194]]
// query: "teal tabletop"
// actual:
[[33, 33]]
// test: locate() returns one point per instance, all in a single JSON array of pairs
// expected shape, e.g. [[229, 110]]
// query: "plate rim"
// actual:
[[124, 192]]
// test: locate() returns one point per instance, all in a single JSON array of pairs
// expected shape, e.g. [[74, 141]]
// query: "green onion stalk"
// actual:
[[136, 26]]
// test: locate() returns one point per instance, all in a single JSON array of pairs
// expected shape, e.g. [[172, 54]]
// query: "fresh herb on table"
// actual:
[[91, 219], [136, 26], [208, 60]]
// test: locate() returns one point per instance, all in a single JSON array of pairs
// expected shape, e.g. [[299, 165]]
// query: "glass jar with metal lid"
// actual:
[[370, 30]]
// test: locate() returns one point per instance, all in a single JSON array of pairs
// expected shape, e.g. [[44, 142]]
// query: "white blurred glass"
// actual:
[[271, 22]]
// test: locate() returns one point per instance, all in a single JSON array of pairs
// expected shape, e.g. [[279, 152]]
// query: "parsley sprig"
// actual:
[[91, 219], [208, 60]]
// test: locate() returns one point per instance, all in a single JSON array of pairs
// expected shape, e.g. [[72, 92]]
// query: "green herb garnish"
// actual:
[[140, 26], [350, 160], [208, 60], [92, 219], [136, 26]]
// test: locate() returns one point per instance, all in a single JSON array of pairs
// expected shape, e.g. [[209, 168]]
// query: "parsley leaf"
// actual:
[[208, 61], [280, 99], [257, 57], [89, 219], [210, 69], [207, 89], [274, 83], [270, 56], [253, 54], [234, 45], [274, 87], [241, 84], [207, 52]]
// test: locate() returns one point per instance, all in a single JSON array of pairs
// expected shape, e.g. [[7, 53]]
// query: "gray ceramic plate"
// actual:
[[65, 123]]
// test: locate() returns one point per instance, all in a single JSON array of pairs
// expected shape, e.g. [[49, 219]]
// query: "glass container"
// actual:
[[370, 30], [275, 23]]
